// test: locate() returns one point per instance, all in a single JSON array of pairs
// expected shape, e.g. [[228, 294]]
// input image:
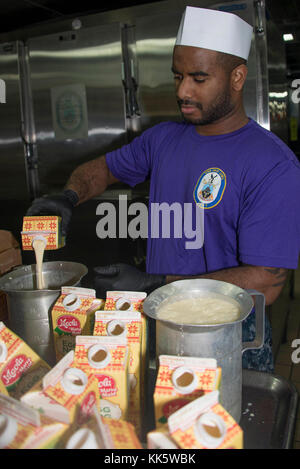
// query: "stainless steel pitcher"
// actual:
[[29, 309], [221, 341]]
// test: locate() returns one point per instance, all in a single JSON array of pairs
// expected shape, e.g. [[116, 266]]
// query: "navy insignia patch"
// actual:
[[210, 188]]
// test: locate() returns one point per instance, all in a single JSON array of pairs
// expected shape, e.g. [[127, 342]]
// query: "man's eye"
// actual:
[[197, 80], [177, 77]]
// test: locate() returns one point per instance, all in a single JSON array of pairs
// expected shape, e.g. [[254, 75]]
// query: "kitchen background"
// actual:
[[113, 63]]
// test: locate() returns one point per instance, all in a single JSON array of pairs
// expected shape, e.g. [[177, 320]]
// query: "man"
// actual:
[[217, 159]]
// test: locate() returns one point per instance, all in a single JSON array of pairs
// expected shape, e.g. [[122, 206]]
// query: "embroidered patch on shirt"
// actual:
[[210, 188]]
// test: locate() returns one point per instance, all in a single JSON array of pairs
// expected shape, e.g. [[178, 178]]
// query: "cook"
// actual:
[[244, 178]]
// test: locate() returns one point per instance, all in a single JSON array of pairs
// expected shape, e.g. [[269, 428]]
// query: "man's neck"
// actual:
[[228, 124]]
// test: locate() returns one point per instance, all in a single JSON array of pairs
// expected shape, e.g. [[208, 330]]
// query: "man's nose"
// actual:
[[184, 89]]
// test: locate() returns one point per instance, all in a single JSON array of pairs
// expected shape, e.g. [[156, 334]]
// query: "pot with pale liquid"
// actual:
[[212, 339], [29, 308]]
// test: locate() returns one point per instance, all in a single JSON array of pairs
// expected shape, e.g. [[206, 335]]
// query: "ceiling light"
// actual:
[[288, 37]]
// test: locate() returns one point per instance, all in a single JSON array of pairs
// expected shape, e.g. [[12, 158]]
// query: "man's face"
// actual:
[[202, 85]]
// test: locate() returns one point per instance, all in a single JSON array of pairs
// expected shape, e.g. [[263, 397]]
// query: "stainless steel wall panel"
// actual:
[[91, 58]]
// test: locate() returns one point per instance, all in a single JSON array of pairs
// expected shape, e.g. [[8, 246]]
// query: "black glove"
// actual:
[[123, 277], [57, 204]]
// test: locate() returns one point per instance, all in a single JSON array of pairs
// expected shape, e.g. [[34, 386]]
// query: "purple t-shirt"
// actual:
[[247, 184]]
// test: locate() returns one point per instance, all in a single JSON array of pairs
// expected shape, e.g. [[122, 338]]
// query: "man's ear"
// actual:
[[238, 77]]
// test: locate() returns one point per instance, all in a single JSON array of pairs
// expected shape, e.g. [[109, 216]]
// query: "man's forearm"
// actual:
[[90, 179], [267, 280]]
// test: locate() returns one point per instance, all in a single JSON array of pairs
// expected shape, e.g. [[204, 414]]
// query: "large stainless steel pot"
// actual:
[[29, 309], [222, 341]]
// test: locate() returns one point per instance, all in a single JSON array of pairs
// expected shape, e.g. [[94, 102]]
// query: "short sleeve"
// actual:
[[269, 222], [132, 163]]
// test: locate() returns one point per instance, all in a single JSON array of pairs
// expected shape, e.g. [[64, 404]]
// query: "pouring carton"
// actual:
[[22, 427], [49, 227], [73, 314], [126, 324], [107, 359], [181, 380], [20, 366], [205, 424]]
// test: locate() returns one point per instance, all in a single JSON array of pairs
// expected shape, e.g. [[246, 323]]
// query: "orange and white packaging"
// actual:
[[73, 389], [132, 301], [20, 366], [88, 436], [205, 424], [44, 404], [126, 324], [73, 314], [104, 433], [117, 434], [22, 427], [181, 380], [3, 389], [107, 359], [47, 227], [160, 440]]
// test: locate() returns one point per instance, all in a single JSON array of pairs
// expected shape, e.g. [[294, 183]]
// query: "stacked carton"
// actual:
[[10, 257]]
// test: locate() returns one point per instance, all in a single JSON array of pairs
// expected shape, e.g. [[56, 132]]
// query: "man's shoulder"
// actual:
[[269, 144]]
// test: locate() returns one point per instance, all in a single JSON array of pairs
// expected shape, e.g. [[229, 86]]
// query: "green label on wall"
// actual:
[[69, 112]]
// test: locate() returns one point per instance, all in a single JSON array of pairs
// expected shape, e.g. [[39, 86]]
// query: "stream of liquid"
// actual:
[[39, 248]]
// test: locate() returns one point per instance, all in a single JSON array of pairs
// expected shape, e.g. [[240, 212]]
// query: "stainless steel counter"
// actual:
[[269, 409]]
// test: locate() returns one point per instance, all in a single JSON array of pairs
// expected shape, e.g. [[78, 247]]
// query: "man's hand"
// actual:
[[125, 277], [57, 204]]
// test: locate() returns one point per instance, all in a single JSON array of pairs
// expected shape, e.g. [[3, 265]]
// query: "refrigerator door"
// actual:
[[13, 181], [78, 102], [155, 39]]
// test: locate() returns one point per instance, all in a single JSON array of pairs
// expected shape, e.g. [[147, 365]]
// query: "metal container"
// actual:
[[29, 309], [222, 341]]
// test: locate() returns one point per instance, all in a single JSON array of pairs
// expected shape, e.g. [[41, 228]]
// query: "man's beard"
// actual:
[[220, 108]]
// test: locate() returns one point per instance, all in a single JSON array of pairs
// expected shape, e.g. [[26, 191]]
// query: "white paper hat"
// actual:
[[215, 30]]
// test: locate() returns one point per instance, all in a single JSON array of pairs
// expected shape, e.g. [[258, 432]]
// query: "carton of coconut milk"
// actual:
[[48, 227], [73, 314], [205, 424], [22, 427], [20, 366], [71, 388], [107, 359], [126, 324], [133, 301], [181, 380]]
